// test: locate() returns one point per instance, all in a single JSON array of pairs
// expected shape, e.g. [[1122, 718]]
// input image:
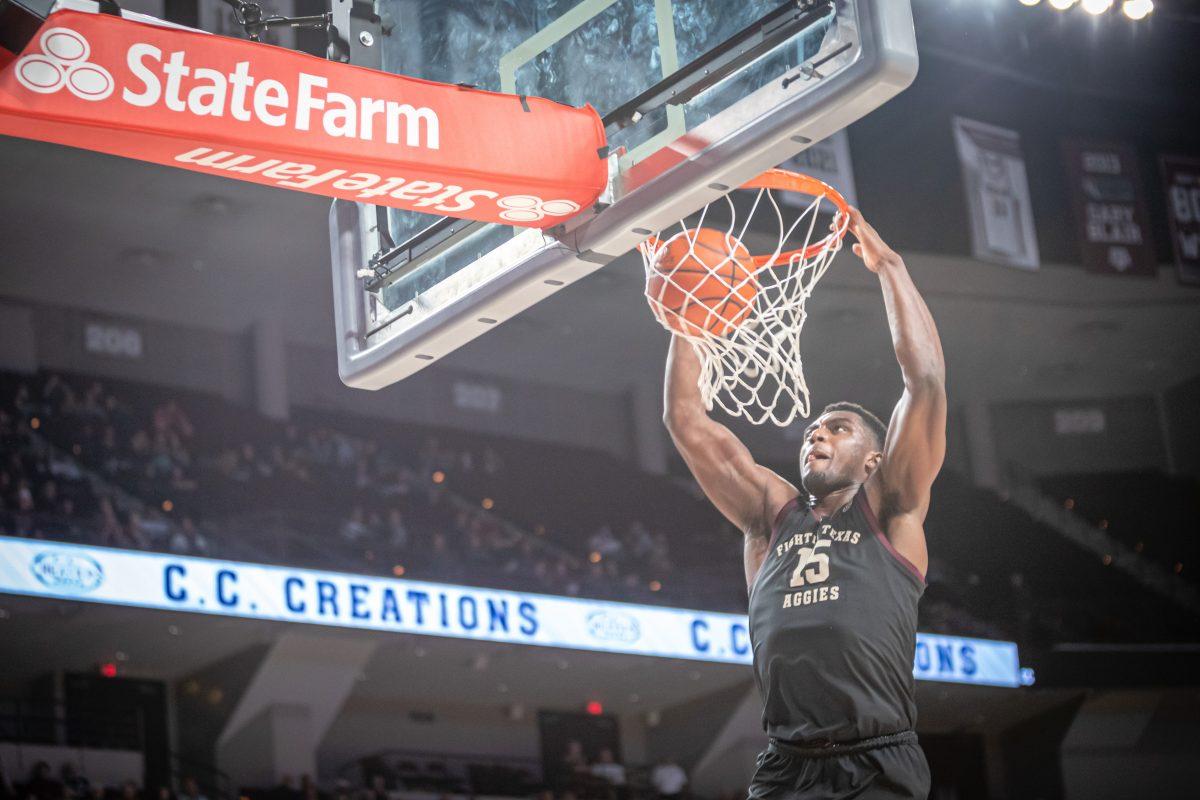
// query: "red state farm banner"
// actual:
[[254, 112]]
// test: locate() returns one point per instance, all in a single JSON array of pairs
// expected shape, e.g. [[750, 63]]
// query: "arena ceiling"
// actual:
[[115, 236]]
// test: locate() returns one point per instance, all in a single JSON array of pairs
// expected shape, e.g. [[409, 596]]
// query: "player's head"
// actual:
[[842, 447]]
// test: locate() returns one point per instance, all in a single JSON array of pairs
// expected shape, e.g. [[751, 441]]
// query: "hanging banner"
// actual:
[[140, 88], [997, 191], [1110, 209], [1181, 181], [828, 160], [317, 597]]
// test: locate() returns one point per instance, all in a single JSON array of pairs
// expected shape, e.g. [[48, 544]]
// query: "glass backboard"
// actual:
[[698, 96]]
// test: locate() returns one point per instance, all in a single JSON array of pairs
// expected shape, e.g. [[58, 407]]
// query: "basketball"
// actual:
[[703, 281]]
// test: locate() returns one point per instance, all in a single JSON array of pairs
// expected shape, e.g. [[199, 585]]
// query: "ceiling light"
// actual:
[[1137, 9], [1030, 2], [1096, 7], [1062, 5]]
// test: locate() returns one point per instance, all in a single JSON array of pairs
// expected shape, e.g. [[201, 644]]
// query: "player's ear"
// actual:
[[874, 459]]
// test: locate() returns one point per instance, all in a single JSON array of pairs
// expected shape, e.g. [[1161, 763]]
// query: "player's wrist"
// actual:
[[890, 264]]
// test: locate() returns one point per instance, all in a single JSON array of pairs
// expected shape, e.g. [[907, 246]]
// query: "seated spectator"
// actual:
[[74, 784], [136, 531], [668, 779], [64, 468], [181, 482], [638, 540], [572, 766], [185, 538], [153, 528], [111, 532], [285, 790], [41, 784], [170, 419], [355, 527], [397, 530], [605, 543], [607, 768], [191, 790]]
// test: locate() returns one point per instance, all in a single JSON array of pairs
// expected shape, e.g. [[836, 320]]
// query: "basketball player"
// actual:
[[834, 571]]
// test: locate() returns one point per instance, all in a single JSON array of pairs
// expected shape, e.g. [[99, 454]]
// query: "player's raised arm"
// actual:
[[916, 438], [747, 494]]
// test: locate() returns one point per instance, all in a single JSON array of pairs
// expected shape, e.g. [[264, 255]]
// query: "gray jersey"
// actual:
[[833, 624]]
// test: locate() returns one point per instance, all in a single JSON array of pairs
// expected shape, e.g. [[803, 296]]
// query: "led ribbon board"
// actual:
[[140, 88], [255, 591]]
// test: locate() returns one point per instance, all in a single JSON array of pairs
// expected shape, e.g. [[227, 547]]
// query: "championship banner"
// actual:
[[256, 591], [140, 88], [997, 191], [1181, 181], [1110, 209]]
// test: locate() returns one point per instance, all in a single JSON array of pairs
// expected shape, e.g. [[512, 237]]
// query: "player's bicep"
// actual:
[[746, 493], [915, 447]]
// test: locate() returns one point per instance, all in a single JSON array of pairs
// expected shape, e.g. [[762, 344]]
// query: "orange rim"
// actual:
[[787, 181]]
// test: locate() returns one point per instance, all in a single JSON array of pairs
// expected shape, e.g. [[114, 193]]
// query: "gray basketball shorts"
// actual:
[[891, 767]]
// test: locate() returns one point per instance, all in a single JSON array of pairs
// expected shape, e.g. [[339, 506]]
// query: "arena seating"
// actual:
[[1149, 511], [158, 468]]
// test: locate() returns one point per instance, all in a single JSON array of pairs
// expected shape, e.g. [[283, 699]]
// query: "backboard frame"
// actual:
[[379, 346]]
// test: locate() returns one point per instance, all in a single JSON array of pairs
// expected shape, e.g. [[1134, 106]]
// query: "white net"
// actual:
[[743, 314]]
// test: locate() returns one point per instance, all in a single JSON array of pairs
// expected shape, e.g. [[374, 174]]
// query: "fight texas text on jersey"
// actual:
[[833, 619]]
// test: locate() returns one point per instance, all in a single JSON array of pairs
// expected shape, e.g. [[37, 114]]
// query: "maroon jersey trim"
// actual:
[[780, 517], [877, 529]]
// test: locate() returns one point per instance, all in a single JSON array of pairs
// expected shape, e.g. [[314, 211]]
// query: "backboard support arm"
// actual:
[[717, 64]]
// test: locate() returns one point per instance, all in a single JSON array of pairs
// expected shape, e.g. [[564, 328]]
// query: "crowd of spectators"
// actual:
[[399, 516], [604, 778], [151, 468], [72, 784], [1151, 513]]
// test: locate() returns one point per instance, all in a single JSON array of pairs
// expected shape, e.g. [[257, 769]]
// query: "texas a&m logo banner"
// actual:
[[143, 89], [1181, 181], [1110, 208]]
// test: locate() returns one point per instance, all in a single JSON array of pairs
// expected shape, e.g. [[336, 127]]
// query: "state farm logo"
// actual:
[[168, 80], [527, 208], [63, 62]]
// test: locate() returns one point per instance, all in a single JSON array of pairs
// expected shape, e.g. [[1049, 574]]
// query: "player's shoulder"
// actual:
[[779, 501]]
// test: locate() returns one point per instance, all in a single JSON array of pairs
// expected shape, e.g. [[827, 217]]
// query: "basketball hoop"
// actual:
[[743, 313]]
